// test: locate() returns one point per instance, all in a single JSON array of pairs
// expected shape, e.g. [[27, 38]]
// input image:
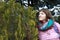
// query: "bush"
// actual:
[[17, 23]]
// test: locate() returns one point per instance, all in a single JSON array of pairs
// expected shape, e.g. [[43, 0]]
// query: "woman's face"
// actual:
[[42, 16]]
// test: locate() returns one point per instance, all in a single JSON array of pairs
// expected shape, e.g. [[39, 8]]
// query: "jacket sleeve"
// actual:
[[58, 25]]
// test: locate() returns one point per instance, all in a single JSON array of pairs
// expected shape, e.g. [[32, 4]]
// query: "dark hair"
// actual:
[[46, 11]]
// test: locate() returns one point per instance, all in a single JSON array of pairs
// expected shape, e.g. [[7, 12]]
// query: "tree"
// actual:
[[33, 2]]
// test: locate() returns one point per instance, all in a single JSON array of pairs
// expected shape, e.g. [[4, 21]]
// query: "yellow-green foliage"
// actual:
[[17, 23]]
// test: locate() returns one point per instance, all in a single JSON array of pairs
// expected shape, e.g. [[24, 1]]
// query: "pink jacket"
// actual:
[[49, 34]]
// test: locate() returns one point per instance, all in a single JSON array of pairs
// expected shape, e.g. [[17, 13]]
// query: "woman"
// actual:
[[48, 29]]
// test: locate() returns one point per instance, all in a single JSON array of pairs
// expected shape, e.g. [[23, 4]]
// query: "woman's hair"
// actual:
[[47, 12]]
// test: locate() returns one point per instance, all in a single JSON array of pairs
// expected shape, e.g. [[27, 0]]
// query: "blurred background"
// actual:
[[18, 17]]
